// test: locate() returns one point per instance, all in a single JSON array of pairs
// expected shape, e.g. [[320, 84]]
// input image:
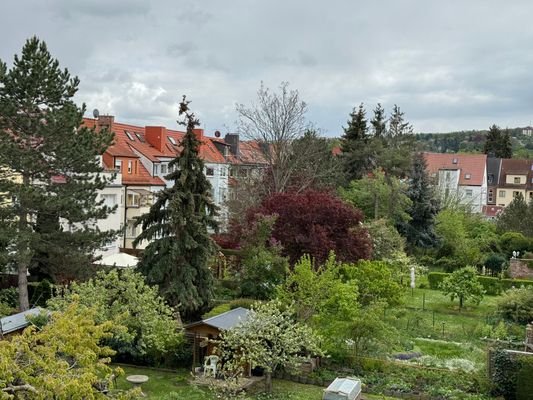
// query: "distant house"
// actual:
[[515, 179], [16, 322], [459, 177], [200, 333]]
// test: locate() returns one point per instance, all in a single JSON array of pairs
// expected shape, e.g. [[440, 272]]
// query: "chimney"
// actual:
[[105, 122], [233, 140], [156, 136], [199, 132]]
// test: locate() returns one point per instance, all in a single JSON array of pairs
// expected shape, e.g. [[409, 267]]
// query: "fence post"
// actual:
[[424, 301]]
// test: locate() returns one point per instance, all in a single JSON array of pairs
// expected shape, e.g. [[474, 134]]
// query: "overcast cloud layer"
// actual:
[[449, 65]]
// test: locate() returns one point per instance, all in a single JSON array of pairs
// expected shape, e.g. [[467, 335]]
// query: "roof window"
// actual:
[[140, 137], [468, 176], [172, 140], [455, 161], [129, 135]]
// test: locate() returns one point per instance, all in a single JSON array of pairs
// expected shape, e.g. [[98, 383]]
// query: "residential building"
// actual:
[[460, 177], [515, 179]]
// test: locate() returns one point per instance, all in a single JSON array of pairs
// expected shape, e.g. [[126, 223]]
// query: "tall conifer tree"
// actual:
[[420, 229], [498, 144], [355, 155], [50, 166], [177, 257], [379, 123]]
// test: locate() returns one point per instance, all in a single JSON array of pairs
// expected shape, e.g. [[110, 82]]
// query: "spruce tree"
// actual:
[[177, 257], [498, 144], [379, 124], [419, 230], [49, 164], [355, 157], [397, 125]]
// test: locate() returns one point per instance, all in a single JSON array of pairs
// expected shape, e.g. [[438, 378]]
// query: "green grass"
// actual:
[[175, 385]]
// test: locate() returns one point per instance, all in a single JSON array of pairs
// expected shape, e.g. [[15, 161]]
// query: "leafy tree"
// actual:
[[517, 217], [62, 360], [263, 266], [516, 305], [122, 297], [379, 197], [464, 285], [495, 263], [51, 165], [177, 257], [514, 241], [269, 338], [498, 143], [315, 223], [376, 283], [378, 122], [276, 120], [385, 239], [419, 231]]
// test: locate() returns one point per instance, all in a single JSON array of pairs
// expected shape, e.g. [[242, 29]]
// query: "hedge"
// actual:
[[492, 286]]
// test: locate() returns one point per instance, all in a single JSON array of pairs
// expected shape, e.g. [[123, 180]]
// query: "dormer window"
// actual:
[[468, 176], [455, 161], [172, 140], [516, 180], [140, 137], [129, 135]]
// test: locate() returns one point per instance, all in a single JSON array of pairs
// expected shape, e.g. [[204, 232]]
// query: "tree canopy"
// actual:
[[177, 256], [51, 170], [498, 143], [464, 285], [316, 223]]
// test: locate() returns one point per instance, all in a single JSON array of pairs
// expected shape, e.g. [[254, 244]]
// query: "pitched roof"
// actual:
[[473, 165], [491, 210], [17, 321], [512, 166], [227, 320]]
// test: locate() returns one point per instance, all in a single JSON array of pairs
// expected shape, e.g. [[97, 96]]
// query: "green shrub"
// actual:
[[436, 278], [516, 305], [492, 286], [495, 262], [9, 297], [515, 241], [524, 381], [448, 264], [511, 376], [221, 308], [242, 302]]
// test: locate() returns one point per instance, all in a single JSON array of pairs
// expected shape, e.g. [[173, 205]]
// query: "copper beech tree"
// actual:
[[316, 223]]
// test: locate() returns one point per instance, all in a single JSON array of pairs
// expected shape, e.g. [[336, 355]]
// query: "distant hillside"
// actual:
[[472, 142]]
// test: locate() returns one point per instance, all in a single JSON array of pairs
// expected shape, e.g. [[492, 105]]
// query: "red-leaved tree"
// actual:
[[315, 223]]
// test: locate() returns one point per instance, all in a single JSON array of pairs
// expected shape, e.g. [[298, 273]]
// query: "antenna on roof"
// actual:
[[217, 133], [96, 113]]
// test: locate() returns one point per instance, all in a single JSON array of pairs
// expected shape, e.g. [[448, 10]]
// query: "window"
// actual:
[[501, 193], [133, 200], [516, 194], [468, 176], [110, 200], [129, 135], [530, 195], [455, 161], [130, 166], [517, 180], [172, 140], [131, 230], [491, 178], [163, 169], [156, 169], [118, 164], [468, 192], [140, 137], [209, 171], [448, 175], [222, 171], [491, 196]]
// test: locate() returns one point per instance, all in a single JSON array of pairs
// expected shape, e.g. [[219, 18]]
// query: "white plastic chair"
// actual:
[[210, 365]]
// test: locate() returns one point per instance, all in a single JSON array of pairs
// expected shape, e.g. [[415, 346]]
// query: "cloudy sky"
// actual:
[[449, 65]]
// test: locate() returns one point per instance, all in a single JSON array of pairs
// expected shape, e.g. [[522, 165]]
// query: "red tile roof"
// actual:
[[491, 211], [142, 178], [511, 166], [472, 164]]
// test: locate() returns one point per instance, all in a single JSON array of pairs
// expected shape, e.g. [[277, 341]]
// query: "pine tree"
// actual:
[[397, 125], [177, 225], [50, 165], [355, 157], [498, 144], [379, 126], [419, 231]]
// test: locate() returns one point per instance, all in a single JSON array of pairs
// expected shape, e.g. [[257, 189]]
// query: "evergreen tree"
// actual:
[[177, 227], [354, 145], [378, 122], [50, 165], [498, 143], [397, 125], [419, 230]]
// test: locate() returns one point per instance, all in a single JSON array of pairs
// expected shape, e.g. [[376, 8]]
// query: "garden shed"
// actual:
[[343, 389], [200, 333], [16, 322]]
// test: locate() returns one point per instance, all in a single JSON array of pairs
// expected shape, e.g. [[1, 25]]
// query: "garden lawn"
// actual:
[[164, 385]]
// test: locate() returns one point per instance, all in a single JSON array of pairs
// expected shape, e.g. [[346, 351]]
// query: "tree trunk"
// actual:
[[460, 302], [24, 255], [268, 381], [24, 301]]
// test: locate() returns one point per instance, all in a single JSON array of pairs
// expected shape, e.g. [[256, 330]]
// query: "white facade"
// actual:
[[450, 189]]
